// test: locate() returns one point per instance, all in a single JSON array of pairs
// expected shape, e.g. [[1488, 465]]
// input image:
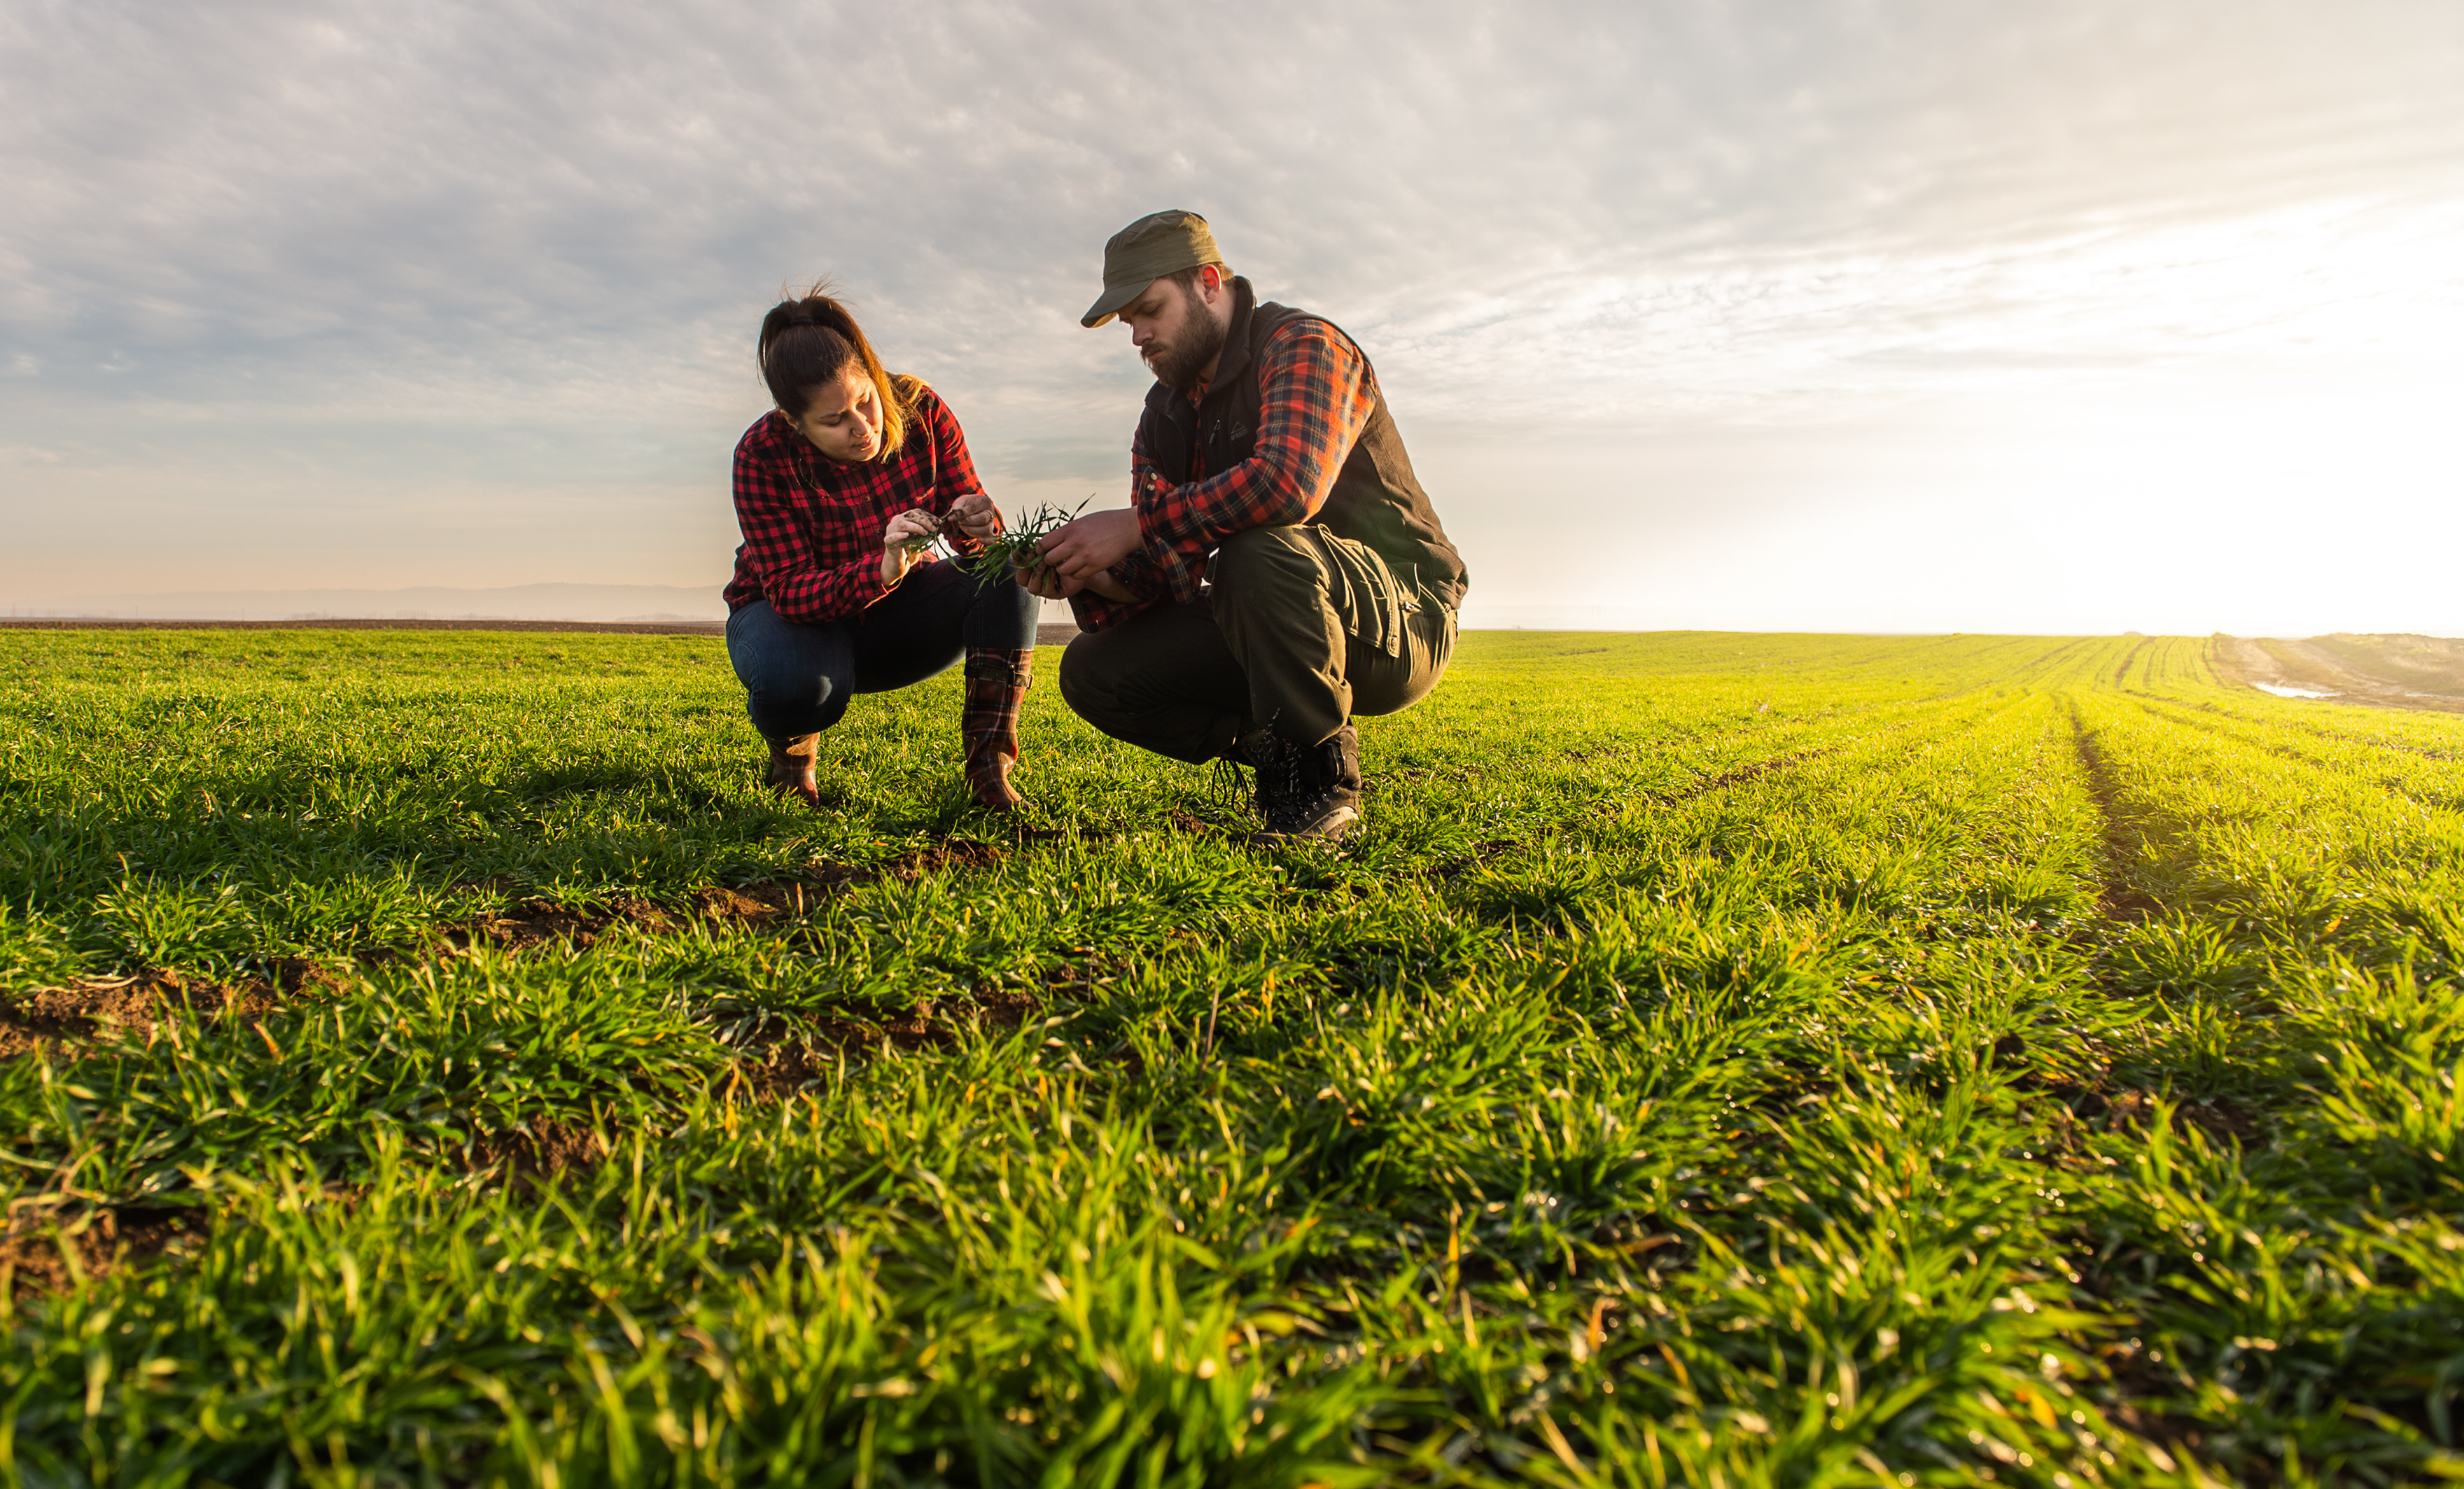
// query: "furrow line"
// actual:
[[2118, 899], [2338, 770]]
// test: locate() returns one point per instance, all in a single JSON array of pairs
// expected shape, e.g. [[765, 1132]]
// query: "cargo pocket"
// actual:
[[1362, 585]]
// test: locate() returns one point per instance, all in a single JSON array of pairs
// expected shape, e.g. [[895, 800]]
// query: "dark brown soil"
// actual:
[[527, 923], [99, 1242], [533, 922], [798, 1057], [548, 1148], [39, 1019], [2127, 1111], [935, 1023], [2142, 1381], [1488, 852], [48, 1020]]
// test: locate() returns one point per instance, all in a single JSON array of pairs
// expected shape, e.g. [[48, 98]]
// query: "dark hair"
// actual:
[[810, 342], [1187, 278]]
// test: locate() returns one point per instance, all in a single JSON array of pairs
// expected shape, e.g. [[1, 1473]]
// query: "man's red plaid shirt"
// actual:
[[1317, 393], [812, 527]]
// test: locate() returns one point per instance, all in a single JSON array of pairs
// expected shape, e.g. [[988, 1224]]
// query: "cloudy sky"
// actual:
[[1836, 314]]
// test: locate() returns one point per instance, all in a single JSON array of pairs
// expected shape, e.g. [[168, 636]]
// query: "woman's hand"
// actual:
[[975, 515], [904, 542]]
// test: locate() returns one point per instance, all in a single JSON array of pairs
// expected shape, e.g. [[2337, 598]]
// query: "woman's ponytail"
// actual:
[[810, 342]]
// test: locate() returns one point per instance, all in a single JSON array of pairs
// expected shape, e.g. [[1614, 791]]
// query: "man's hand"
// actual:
[[975, 515], [1083, 550], [1042, 580], [904, 542]]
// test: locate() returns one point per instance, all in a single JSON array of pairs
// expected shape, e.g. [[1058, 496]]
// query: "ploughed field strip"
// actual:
[[429, 1058]]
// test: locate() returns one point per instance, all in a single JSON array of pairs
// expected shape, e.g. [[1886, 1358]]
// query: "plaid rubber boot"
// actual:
[[791, 766], [997, 683]]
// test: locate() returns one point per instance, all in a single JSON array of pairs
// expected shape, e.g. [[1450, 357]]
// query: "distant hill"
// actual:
[[2401, 670], [593, 603], [422, 602]]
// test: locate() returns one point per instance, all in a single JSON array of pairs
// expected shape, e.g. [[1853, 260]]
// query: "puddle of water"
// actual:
[[2291, 692]]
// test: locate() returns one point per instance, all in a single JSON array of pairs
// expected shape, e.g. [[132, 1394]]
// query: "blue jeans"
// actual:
[[798, 678]]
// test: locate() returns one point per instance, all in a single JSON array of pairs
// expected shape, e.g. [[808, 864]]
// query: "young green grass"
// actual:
[[432, 1058]]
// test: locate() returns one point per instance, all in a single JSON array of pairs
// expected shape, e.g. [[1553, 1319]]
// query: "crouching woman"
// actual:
[[839, 492]]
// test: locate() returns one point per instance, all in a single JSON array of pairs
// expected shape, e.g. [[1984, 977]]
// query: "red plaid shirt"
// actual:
[[812, 527], [1316, 393]]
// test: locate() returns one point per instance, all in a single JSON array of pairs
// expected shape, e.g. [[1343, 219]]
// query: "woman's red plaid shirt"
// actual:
[[812, 527]]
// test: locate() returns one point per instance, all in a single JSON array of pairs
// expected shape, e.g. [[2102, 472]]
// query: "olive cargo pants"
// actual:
[[1299, 630]]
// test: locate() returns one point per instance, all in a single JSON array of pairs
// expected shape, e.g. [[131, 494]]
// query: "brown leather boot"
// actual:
[[997, 684], [791, 767]]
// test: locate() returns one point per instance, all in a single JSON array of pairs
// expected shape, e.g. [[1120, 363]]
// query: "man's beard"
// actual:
[[1187, 354]]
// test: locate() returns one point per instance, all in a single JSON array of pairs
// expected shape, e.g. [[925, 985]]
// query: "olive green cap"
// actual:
[[1156, 245]]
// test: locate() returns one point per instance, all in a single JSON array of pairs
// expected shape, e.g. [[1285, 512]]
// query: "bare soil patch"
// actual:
[[56, 1020], [527, 923], [526, 1157], [48, 1021], [2218, 1117], [42, 1253], [804, 1049]]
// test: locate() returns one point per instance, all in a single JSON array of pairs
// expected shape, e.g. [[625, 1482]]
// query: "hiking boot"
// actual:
[[791, 767], [997, 680], [1304, 792], [1271, 764]]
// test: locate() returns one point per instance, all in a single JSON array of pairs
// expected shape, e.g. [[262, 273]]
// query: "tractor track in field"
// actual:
[[1753, 725], [2122, 673], [2116, 898], [1735, 775], [1755, 769], [1738, 776], [2049, 664]]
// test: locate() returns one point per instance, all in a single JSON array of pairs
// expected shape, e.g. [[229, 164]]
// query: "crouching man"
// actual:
[[1280, 569]]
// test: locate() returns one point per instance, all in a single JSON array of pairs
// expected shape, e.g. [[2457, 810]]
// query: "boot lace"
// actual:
[[1229, 784]]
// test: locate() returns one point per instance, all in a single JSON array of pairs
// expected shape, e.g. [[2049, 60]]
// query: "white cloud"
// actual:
[[350, 269]]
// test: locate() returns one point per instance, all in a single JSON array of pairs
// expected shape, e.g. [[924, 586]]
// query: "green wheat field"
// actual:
[[428, 1058]]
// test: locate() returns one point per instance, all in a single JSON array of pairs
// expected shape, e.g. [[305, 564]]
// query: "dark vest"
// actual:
[[1376, 500]]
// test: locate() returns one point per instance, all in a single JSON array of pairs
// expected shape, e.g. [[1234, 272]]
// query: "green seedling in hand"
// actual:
[[1018, 550]]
